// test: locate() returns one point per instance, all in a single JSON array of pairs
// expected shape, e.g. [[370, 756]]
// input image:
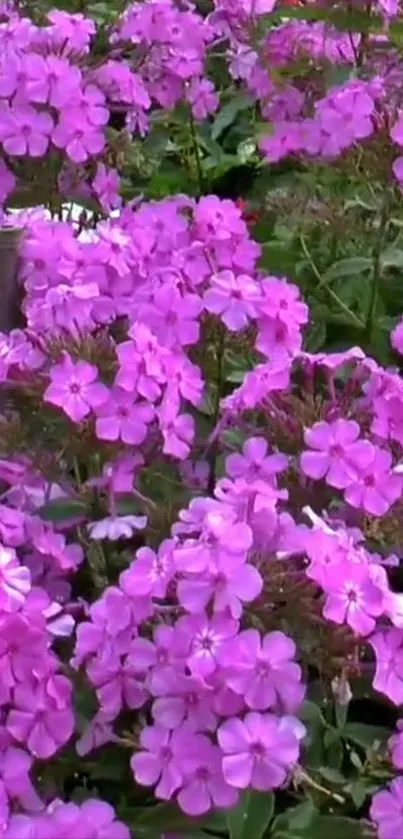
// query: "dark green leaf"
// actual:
[[251, 816], [296, 819], [319, 827], [364, 735], [63, 509], [345, 268], [228, 113]]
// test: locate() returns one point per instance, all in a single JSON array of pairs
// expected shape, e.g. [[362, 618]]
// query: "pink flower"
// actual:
[[387, 810], [352, 596], [396, 337], [375, 488], [15, 580], [42, 717], [117, 685], [182, 698], [167, 758], [231, 583], [263, 671], [151, 572], [176, 429], [205, 787], [172, 316], [388, 649], [79, 138], [57, 82], [75, 389], [106, 188], [120, 417], [15, 765], [396, 746], [255, 462], [205, 641], [233, 297], [339, 455], [202, 97], [25, 131], [258, 752]]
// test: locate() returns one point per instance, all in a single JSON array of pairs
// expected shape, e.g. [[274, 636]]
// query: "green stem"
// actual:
[[196, 149], [353, 317], [376, 272]]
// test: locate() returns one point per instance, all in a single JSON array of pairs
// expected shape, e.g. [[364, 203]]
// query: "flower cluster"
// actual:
[[221, 697], [57, 97]]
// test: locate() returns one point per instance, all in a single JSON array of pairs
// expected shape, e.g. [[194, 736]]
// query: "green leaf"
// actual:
[[349, 267], [63, 509], [316, 336], [364, 735], [168, 818], [358, 793], [319, 827], [228, 113], [296, 819], [127, 504], [251, 816], [316, 726], [332, 776]]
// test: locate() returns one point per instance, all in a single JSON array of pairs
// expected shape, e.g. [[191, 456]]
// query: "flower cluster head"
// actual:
[[221, 697]]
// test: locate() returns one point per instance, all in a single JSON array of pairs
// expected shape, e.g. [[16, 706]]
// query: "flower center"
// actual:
[[257, 750]]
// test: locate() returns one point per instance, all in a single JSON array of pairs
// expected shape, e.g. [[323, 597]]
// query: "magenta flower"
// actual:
[[150, 573], [232, 297], [376, 488], [339, 456], [15, 765], [72, 31], [387, 810], [15, 580], [352, 596], [231, 583], [255, 462], [388, 649], [97, 733], [56, 82], [177, 430], [167, 758], [205, 641], [120, 417], [258, 752], [202, 97], [396, 336], [156, 658], [74, 387], [217, 220], [79, 138], [23, 646], [263, 671], [173, 316], [205, 787], [395, 745], [117, 685], [182, 698], [42, 717], [106, 188], [25, 131]]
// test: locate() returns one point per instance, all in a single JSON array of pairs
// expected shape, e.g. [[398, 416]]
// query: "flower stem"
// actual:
[[196, 149], [376, 272]]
